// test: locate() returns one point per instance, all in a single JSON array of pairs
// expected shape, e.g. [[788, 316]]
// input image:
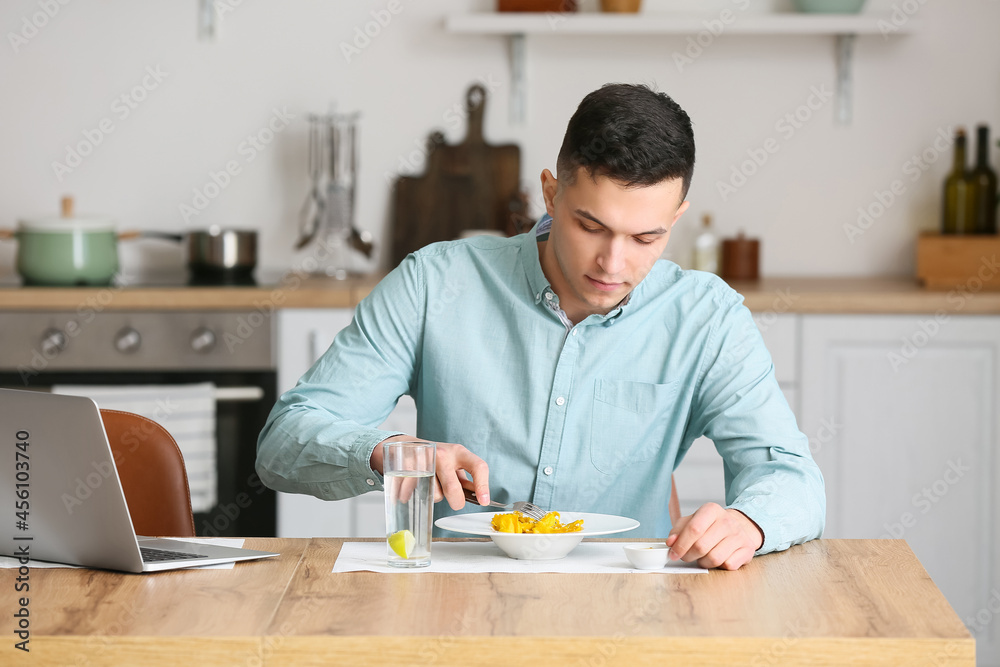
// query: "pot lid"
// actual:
[[54, 224], [67, 222]]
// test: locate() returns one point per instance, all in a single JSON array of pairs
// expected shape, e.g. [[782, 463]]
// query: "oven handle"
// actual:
[[238, 394]]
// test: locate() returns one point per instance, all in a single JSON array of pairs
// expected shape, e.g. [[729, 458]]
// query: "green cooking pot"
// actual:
[[66, 251]]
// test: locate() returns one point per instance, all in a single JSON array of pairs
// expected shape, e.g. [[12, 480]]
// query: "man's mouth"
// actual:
[[603, 286]]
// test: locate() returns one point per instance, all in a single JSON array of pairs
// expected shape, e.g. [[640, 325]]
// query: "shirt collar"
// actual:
[[532, 262], [536, 277]]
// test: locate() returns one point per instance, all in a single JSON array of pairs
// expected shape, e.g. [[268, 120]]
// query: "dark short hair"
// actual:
[[630, 134]]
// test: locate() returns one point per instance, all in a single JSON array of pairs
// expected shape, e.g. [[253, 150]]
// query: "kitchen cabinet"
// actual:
[[699, 478], [910, 409]]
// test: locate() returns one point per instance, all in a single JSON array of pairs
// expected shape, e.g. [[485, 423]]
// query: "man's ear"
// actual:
[[680, 211], [549, 188]]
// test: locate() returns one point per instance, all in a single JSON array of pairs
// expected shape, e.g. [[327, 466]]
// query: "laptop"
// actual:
[[59, 478]]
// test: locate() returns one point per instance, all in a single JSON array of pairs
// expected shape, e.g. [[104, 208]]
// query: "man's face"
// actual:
[[605, 238]]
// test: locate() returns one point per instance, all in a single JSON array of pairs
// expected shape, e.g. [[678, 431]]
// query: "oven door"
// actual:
[[244, 507]]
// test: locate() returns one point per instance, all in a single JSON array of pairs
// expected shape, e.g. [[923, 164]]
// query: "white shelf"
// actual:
[[515, 26], [504, 23]]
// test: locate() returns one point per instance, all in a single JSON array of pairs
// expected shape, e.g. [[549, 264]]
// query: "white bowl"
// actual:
[[531, 546], [647, 556]]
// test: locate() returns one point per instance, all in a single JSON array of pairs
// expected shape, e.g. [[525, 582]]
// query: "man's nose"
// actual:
[[612, 257]]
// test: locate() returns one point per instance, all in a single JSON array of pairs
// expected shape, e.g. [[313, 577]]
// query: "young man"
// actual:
[[567, 366]]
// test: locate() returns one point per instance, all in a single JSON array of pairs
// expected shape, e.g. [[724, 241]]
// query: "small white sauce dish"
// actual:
[[647, 556]]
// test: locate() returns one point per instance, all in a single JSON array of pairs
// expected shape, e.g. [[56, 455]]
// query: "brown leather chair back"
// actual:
[[152, 473]]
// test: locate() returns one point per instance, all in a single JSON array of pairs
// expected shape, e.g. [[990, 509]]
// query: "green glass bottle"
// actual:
[[984, 185], [958, 218]]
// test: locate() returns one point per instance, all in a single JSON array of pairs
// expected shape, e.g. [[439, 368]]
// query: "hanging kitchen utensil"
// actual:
[[359, 240], [312, 210], [328, 227], [338, 212], [471, 185]]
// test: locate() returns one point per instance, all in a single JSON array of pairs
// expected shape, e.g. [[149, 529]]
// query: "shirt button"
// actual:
[[560, 400], [574, 332], [548, 296], [370, 482], [548, 470]]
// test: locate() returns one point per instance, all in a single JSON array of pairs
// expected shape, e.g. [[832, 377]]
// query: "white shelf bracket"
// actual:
[[845, 80], [518, 79]]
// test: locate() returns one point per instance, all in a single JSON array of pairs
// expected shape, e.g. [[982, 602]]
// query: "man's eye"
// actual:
[[643, 241], [592, 230]]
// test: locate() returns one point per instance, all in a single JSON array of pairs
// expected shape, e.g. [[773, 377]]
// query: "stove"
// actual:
[[231, 349], [47, 341]]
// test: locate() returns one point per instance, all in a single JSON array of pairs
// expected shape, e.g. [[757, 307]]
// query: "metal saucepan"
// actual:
[[215, 255], [66, 250]]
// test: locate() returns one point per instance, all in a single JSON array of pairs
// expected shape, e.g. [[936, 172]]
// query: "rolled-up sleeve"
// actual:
[[770, 474], [320, 435]]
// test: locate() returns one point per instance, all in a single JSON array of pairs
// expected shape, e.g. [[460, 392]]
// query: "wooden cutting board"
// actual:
[[470, 185]]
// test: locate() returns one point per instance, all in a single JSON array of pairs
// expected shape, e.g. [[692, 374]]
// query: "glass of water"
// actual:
[[408, 468]]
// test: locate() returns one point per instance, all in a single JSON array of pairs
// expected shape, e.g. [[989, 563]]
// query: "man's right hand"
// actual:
[[453, 461]]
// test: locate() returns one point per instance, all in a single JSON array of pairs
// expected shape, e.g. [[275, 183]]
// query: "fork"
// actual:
[[526, 508]]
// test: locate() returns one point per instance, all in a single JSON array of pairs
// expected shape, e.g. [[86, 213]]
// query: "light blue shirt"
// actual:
[[589, 418]]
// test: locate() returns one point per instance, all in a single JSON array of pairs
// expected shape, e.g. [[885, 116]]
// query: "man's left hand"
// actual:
[[715, 537]]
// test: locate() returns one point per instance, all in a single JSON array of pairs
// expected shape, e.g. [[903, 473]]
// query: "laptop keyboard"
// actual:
[[151, 555]]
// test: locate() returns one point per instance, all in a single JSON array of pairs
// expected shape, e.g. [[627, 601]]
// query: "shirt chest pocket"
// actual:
[[629, 422]]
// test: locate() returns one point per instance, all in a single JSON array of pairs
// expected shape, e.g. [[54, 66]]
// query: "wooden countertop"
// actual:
[[864, 296], [290, 291], [827, 602], [778, 295]]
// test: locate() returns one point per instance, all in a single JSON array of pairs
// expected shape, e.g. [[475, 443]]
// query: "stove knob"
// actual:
[[128, 340], [53, 342], [203, 340]]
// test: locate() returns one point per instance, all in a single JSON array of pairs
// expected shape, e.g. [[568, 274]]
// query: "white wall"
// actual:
[[286, 55]]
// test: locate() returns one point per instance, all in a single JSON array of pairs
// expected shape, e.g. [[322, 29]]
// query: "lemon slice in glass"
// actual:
[[402, 542]]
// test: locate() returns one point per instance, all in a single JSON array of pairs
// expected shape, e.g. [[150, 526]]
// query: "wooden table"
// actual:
[[828, 602]]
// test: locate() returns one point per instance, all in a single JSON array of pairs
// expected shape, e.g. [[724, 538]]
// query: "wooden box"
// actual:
[[536, 5], [946, 262]]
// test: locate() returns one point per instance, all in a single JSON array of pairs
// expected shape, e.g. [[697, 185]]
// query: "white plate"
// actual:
[[540, 546], [478, 523]]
